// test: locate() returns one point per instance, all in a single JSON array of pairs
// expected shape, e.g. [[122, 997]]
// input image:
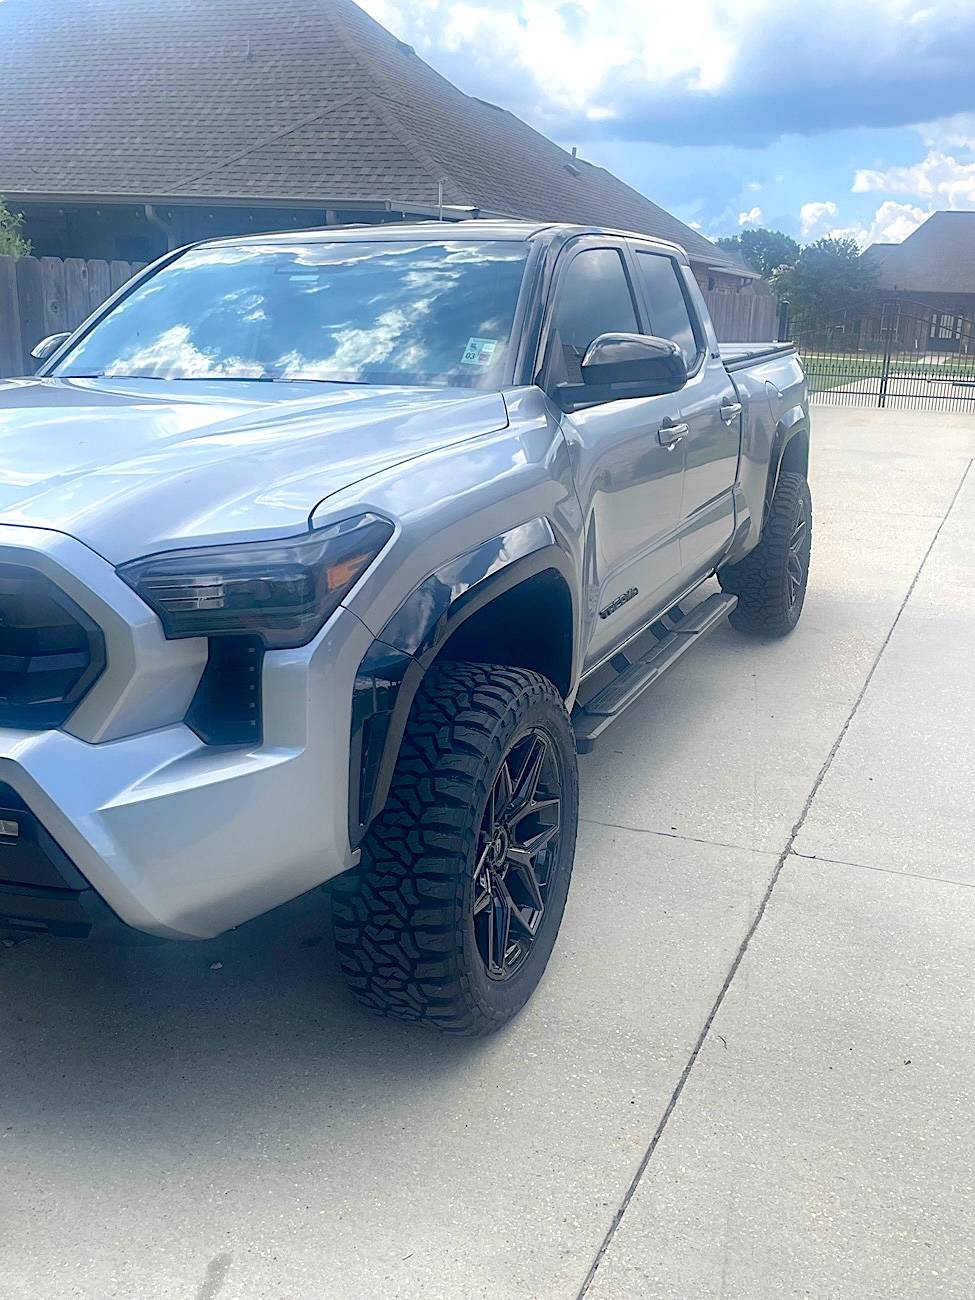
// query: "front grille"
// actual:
[[51, 652]]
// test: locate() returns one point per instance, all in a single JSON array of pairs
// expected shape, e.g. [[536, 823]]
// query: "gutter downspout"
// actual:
[[154, 219]]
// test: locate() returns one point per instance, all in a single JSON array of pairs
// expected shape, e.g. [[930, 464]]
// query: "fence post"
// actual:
[[885, 372], [782, 331]]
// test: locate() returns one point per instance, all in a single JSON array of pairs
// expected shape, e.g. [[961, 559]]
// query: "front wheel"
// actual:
[[452, 915], [770, 582]]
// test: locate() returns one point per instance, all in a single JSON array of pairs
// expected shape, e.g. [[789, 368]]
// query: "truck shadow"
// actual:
[[176, 1042]]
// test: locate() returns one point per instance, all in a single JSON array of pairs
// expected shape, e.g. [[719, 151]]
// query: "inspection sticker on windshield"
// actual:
[[479, 352]]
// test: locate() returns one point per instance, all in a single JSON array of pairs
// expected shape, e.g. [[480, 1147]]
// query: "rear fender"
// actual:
[[793, 425]]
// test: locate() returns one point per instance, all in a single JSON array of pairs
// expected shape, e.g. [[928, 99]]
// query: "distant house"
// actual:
[[928, 284], [131, 126]]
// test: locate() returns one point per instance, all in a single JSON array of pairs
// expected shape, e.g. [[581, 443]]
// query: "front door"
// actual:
[[627, 467]]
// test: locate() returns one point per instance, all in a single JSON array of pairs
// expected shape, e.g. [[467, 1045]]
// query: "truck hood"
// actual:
[[135, 466]]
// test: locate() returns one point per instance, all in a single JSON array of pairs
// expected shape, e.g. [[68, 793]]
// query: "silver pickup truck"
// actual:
[[322, 555]]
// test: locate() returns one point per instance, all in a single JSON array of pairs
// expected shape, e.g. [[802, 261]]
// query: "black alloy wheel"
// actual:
[[517, 854], [798, 562]]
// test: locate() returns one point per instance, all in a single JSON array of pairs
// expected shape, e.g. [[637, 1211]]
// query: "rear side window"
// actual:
[[669, 317], [593, 298]]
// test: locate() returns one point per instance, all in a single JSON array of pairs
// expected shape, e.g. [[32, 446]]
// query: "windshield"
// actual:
[[364, 312]]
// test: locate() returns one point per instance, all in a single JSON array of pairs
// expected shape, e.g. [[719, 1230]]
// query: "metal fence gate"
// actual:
[[901, 355]]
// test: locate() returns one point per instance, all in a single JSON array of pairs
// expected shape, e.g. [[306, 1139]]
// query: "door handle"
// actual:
[[670, 435], [730, 411]]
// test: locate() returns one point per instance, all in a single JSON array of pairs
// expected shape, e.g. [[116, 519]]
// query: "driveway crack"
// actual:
[[763, 905]]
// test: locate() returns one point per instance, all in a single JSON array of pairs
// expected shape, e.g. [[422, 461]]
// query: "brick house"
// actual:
[[928, 285], [131, 126]]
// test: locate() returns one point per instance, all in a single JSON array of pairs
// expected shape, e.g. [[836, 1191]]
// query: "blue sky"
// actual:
[[818, 117]]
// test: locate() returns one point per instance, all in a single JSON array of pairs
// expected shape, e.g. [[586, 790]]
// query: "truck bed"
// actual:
[[736, 356]]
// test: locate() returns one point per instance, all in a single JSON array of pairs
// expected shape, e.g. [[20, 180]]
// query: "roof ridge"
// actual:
[[270, 139], [436, 169], [336, 20]]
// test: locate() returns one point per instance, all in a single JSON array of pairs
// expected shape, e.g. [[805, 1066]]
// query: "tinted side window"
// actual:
[[594, 298], [669, 317]]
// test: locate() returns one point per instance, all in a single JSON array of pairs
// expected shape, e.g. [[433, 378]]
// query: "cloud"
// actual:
[[892, 223], [815, 218], [938, 177], [956, 132], [746, 73], [753, 218]]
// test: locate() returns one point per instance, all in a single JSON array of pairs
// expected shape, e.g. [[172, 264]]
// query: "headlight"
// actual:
[[282, 591]]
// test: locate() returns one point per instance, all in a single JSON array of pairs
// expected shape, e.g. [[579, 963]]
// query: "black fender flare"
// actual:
[[793, 424], [393, 667]]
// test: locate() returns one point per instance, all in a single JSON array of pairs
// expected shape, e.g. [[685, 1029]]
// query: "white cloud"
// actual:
[[893, 222], [753, 218], [642, 71], [957, 132], [938, 177], [566, 52], [815, 218]]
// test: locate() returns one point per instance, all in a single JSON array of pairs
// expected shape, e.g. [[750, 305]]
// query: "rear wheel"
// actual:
[[770, 582], [454, 911]]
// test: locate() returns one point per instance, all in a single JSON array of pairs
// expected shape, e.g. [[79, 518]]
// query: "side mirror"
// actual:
[[618, 366], [47, 347]]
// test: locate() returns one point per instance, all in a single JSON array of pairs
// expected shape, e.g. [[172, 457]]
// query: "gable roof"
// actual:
[[294, 100], [939, 257]]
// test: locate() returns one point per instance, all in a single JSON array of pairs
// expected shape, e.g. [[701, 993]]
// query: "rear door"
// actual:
[[629, 482], [709, 408]]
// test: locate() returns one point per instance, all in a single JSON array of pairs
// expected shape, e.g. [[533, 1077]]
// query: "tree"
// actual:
[[764, 250], [828, 279], [12, 241]]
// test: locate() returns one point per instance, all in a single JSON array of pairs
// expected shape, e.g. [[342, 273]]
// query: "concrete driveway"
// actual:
[[750, 1072]]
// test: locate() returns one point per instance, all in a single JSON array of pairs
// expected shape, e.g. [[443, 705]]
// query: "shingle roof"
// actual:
[[294, 100], [939, 257]]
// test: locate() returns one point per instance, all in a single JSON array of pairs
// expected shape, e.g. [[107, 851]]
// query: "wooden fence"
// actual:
[[743, 317], [45, 295]]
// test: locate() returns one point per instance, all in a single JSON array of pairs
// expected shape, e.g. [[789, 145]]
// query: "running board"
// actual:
[[603, 709]]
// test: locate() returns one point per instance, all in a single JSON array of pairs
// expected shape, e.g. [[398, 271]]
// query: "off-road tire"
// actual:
[[769, 604], [403, 919]]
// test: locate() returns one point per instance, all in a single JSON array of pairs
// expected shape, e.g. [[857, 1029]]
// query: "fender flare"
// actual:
[[793, 424], [394, 666]]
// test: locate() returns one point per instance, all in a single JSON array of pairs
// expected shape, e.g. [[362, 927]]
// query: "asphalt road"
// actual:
[[749, 1073]]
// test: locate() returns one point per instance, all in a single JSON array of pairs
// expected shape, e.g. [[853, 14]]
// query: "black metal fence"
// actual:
[[900, 355]]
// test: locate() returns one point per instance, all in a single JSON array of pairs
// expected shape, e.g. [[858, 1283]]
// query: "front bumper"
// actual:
[[179, 838]]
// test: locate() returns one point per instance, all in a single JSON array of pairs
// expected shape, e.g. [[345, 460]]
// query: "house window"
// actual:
[[944, 327]]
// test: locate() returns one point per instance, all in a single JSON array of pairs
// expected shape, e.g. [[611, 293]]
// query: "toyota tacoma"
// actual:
[[322, 555]]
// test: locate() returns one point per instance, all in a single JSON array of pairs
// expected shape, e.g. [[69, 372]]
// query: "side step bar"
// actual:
[[603, 709]]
